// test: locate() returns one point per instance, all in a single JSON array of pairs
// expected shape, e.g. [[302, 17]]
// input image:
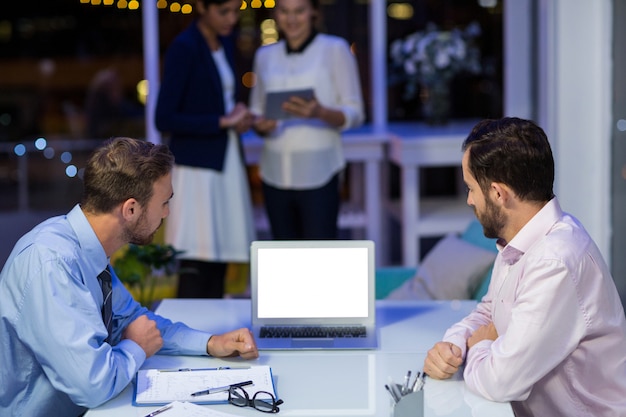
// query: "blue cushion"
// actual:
[[483, 287], [390, 278], [474, 235]]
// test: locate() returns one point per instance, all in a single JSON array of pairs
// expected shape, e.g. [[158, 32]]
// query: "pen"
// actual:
[[160, 410], [221, 389], [417, 378], [420, 384], [393, 395], [407, 378], [395, 388], [175, 370], [204, 369]]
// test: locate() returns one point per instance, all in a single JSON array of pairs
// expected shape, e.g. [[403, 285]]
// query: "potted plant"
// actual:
[[148, 271]]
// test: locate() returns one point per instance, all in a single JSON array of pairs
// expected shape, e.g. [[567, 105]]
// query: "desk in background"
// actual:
[[331, 383], [364, 151], [413, 146]]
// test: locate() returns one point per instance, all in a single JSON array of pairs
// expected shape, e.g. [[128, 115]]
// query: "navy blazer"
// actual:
[[191, 100]]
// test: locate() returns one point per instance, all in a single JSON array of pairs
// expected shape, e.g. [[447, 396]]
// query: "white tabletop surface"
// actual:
[[331, 383]]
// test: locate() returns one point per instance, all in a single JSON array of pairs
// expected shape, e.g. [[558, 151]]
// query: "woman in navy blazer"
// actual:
[[211, 212]]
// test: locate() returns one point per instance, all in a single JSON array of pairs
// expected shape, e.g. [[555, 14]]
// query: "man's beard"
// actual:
[[138, 234], [491, 219]]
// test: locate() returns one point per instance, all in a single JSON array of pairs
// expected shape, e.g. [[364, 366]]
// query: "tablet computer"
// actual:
[[275, 99]]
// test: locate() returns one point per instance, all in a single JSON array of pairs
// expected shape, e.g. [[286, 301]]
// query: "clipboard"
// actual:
[[275, 99], [155, 387]]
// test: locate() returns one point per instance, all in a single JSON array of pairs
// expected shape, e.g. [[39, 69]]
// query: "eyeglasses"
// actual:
[[262, 400]]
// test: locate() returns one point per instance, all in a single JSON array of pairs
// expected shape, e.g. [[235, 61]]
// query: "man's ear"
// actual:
[[130, 209], [501, 193]]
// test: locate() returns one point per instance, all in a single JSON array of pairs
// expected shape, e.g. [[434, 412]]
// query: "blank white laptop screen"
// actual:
[[312, 282], [312, 285]]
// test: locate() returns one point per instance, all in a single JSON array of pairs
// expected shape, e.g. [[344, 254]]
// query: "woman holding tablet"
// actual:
[[302, 156]]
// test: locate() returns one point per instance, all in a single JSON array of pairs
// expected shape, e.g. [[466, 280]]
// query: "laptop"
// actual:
[[317, 294]]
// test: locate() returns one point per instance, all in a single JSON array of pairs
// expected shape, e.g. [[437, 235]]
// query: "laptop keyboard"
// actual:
[[312, 331]]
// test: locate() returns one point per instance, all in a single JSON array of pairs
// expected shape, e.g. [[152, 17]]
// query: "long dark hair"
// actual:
[[207, 3]]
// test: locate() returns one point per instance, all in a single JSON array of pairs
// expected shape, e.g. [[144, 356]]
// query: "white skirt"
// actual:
[[211, 211]]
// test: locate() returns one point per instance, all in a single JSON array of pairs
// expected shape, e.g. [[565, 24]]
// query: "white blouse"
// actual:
[[306, 153]]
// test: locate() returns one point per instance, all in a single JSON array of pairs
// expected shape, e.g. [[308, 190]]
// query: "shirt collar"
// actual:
[[538, 226], [302, 47], [88, 241]]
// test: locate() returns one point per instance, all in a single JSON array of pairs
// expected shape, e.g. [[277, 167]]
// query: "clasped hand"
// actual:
[[445, 358], [237, 342], [239, 118], [145, 333], [485, 332]]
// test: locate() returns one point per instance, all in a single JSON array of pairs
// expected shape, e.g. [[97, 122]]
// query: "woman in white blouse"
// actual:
[[302, 156]]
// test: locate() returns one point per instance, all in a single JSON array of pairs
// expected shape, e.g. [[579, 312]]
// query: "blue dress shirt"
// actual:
[[53, 358]]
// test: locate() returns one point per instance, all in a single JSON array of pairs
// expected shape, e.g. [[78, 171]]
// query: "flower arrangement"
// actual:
[[141, 268], [432, 57]]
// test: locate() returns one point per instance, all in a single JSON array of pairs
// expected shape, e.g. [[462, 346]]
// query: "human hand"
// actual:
[[238, 342], [443, 360], [485, 332], [245, 123], [301, 107], [264, 126], [145, 333], [239, 119]]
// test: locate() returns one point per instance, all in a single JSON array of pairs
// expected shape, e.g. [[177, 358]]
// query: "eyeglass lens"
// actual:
[[262, 400]]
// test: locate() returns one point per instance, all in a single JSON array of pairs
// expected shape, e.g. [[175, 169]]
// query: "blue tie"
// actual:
[[107, 306]]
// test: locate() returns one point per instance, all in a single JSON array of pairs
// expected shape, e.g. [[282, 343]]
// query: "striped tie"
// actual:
[[107, 306]]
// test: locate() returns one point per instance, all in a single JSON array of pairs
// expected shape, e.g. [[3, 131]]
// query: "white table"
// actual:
[[413, 146], [364, 149], [331, 383]]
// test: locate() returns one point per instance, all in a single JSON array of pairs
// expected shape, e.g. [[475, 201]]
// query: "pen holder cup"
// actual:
[[410, 405]]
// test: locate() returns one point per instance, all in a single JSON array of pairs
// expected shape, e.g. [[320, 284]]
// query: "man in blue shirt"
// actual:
[[57, 357]]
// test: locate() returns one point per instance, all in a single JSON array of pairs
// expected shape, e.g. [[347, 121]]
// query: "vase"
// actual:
[[435, 98]]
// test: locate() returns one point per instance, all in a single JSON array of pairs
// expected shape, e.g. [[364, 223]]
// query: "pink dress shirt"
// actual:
[[561, 346]]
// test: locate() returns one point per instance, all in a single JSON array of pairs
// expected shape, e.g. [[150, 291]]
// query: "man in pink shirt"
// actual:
[[550, 334]]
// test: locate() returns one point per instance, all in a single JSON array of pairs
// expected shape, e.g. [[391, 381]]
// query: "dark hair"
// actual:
[[512, 151], [315, 4], [207, 3], [123, 168]]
